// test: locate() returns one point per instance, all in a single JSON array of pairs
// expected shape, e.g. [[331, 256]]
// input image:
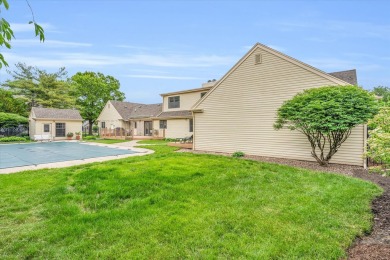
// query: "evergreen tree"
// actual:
[[40, 88]]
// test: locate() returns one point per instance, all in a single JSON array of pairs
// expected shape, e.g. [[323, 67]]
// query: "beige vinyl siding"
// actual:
[[31, 125], [187, 100], [70, 126], [239, 113], [111, 116], [177, 128]]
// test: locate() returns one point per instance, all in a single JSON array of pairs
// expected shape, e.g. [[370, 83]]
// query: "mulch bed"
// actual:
[[375, 245]]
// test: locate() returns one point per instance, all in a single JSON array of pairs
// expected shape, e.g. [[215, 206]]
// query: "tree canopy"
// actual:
[[40, 88], [6, 32], [92, 91], [326, 115], [10, 104], [383, 92]]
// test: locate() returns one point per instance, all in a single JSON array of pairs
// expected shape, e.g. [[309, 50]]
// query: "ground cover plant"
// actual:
[[11, 139], [181, 205]]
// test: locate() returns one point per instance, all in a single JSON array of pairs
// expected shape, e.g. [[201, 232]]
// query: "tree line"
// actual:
[[33, 87]]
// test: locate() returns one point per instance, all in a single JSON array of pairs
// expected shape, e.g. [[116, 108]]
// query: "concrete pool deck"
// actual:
[[126, 146]]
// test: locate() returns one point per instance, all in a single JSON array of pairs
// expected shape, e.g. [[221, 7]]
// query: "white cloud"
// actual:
[[161, 77], [80, 59], [338, 28], [341, 64], [281, 49], [26, 27], [48, 43]]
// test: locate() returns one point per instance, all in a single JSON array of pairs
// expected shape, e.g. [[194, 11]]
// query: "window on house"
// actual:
[[202, 94], [46, 128], [174, 102], [103, 124], [191, 125], [135, 124], [163, 124], [60, 129]]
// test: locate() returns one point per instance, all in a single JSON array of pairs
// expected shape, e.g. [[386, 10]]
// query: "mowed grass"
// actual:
[[180, 205]]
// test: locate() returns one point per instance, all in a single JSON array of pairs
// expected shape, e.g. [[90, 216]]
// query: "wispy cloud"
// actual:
[[338, 28], [79, 59], [161, 77], [278, 48], [132, 47], [341, 64], [26, 27], [48, 43]]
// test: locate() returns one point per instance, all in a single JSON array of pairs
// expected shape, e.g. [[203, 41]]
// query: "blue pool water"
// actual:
[[16, 155]]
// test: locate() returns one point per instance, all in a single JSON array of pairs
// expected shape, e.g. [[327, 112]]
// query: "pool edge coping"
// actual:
[[63, 164]]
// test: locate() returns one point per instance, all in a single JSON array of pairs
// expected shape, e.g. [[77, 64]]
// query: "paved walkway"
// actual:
[[126, 145]]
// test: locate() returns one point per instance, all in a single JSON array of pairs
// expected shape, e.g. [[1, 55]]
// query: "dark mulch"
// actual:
[[375, 245]]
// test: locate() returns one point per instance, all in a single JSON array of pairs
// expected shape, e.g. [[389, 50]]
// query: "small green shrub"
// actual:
[[70, 134], [170, 139], [13, 139], [238, 154], [89, 137], [95, 128]]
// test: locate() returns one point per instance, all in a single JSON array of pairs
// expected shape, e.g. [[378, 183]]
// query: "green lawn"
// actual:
[[154, 142], [107, 141], [181, 205]]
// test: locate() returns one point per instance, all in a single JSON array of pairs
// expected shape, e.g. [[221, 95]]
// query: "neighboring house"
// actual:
[[132, 119], [238, 113], [171, 119], [54, 122], [176, 119]]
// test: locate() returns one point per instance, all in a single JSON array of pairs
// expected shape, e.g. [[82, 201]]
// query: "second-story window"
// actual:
[[174, 102]]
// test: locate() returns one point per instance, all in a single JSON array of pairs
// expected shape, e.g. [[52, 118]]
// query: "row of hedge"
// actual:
[[14, 139]]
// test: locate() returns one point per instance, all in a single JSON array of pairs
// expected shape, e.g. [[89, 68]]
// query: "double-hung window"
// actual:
[[174, 102], [163, 124], [46, 128]]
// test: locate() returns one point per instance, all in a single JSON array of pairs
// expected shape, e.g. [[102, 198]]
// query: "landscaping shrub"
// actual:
[[13, 139], [326, 115], [10, 120], [238, 154], [89, 137], [379, 139]]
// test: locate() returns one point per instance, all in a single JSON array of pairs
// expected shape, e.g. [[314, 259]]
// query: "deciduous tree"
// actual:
[[92, 91], [6, 32], [383, 92], [326, 116]]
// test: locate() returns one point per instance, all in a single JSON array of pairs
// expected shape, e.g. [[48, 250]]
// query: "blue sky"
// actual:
[[155, 47]]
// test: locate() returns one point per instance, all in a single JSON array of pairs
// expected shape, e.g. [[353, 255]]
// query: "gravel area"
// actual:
[[375, 245]]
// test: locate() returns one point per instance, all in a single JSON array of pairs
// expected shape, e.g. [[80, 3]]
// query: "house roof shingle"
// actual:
[[347, 75], [182, 113], [55, 113], [128, 110]]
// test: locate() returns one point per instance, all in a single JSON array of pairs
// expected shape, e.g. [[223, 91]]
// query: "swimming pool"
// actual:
[[17, 155]]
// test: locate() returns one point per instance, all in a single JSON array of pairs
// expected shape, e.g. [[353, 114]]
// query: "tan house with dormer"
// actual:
[[238, 113], [170, 119]]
